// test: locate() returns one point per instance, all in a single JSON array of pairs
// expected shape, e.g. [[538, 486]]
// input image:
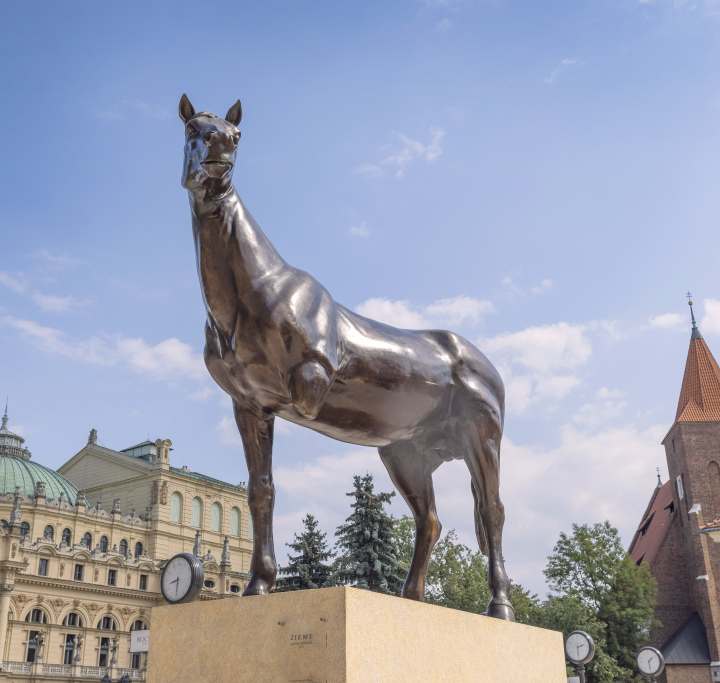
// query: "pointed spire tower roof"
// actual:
[[700, 392]]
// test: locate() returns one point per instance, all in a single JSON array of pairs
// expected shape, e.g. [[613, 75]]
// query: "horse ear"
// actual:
[[185, 109], [234, 114]]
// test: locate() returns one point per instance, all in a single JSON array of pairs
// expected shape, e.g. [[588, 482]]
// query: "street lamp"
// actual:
[[106, 679]]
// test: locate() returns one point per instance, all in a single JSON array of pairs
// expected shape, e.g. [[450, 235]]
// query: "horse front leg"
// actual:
[[256, 432]]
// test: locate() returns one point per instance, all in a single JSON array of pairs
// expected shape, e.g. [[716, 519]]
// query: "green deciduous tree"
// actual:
[[369, 556], [307, 569], [599, 589]]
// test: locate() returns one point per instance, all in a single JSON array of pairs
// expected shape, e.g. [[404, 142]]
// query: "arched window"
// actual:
[[67, 536], [5, 524], [139, 625], [73, 619], [216, 517], [196, 512], [87, 540], [49, 532], [138, 549], [103, 544], [176, 507], [24, 529], [235, 522], [235, 588], [36, 616], [209, 584], [251, 532], [123, 547], [107, 624]]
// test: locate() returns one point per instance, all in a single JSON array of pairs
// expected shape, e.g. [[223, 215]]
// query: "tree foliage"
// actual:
[[369, 557], [307, 569]]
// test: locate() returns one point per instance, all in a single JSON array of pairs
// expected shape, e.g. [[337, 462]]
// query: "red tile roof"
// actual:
[[654, 526], [700, 392]]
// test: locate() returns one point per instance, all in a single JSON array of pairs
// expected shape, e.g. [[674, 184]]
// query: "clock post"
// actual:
[[580, 649]]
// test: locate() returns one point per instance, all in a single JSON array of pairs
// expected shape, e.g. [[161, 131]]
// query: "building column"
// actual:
[[5, 590]]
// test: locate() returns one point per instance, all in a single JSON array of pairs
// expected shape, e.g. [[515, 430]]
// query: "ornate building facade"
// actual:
[[679, 534], [82, 550]]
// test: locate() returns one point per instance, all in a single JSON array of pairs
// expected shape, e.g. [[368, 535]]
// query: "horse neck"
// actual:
[[222, 226]]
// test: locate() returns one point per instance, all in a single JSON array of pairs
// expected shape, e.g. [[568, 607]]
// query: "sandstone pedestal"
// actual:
[[344, 635]]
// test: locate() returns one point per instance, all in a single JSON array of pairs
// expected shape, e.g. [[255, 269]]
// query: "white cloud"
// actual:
[[11, 283], [170, 359], [711, 319], [360, 230], [668, 321], [228, 432], [59, 304], [538, 362], [563, 66], [544, 286], [454, 311], [400, 156], [56, 261]]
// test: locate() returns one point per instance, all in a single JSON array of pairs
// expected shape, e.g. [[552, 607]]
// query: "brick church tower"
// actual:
[[678, 533]]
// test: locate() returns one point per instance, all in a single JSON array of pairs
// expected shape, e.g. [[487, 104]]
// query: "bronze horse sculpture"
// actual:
[[279, 345]]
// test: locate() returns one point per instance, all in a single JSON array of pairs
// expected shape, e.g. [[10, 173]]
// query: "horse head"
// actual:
[[210, 148]]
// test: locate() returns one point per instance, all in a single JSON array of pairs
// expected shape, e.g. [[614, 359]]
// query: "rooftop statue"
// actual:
[[279, 345]]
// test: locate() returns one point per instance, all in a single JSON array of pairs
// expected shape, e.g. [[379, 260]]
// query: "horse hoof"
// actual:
[[500, 608], [257, 587], [413, 594]]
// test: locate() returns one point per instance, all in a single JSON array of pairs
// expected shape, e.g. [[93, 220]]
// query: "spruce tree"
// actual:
[[307, 569], [369, 559]]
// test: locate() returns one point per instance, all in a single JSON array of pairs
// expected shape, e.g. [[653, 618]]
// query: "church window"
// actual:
[[24, 529], [43, 567], [680, 490], [36, 616], [73, 619], [107, 624], [216, 517], [103, 544], [235, 522], [196, 513], [138, 549], [67, 536], [123, 547], [87, 540], [49, 532], [143, 582], [175, 507]]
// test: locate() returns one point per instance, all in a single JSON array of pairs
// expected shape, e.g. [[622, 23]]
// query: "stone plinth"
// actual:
[[344, 635]]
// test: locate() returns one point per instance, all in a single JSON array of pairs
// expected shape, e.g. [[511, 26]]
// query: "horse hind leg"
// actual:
[[483, 460], [411, 472]]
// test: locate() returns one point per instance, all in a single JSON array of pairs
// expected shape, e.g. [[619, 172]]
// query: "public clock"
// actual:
[[579, 647], [650, 661], [182, 579]]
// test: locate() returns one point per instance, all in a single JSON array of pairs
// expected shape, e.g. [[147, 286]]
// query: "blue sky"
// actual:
[[540, 177]]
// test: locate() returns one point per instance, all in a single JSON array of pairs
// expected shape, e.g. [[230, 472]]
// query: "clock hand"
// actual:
[[177, 584]]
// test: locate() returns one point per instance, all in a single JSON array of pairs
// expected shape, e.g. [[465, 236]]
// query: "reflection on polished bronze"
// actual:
[[279, 345]]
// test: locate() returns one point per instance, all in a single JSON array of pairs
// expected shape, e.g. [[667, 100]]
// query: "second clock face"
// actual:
[[177, 579], [649, 661]]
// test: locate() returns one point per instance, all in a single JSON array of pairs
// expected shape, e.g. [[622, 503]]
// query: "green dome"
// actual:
[[25, 474], [17, 470]]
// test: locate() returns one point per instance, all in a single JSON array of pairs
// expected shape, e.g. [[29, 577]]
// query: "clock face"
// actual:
[[182, 578], [579, 647], [649, 661]]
